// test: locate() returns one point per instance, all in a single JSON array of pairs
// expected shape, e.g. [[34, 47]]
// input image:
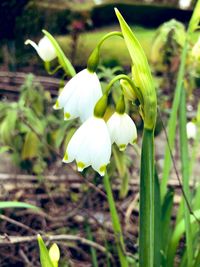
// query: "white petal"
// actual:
[[191, 130], [89, 94], [80, 95], [90, 145], [33, 44], [46, 50], [67, 92], [122, 130], [100, 146]]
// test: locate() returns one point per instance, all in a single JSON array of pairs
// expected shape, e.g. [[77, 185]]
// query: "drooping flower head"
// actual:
[[44, 49], [80, 95], [121, 127], [191, 130], [90, 145], [122, 130]]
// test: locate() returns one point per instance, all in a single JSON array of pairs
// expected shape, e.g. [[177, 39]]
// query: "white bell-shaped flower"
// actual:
[[80, 95], [90, 145], [122, 130], [44, 49], [191, 129]]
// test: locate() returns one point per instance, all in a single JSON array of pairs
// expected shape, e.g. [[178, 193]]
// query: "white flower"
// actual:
[[122, 130], [184, 4], [79, 96], [44, 49], [90, 145], [191, 130]]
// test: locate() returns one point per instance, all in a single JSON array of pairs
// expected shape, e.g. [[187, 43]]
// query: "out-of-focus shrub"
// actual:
[[146, 15]]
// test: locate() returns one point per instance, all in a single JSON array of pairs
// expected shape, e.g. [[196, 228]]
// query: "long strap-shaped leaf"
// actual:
[[146, 241]]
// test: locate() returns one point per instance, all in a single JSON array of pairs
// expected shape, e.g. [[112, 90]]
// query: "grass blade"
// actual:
[[185, 174], [116, 223], [44, 254], [16, 204]]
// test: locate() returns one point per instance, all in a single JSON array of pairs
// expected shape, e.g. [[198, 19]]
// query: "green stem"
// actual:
[[185, 174], [108, 35], [147, 184], [116, 223], [172, 122], [48, 68], [130, 81]]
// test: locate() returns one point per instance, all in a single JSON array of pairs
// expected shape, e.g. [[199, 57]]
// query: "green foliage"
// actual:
[[28, 129], [45, 259], [17, 204]]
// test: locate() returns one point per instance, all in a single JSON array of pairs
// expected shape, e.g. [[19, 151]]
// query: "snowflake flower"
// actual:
[[44, 49], [79, 96], [90, 145], [122, 130]]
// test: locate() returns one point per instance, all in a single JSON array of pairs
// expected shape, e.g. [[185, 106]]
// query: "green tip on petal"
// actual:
[[56, 106], [65, 159], [122, 147], [102, 170], [134, 141], [80, 166], [67, 116]]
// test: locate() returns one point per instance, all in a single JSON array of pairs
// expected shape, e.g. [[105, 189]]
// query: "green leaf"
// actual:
[[63, 60], [16, 204], [194, 22], [197, 260], [166, 222], [141, 74], [31, 146], [157, 221], [7, 128], [119, 161], [185, 175], [44, 254], [4, 149], [34, 122], [176, 236], [147, 201]]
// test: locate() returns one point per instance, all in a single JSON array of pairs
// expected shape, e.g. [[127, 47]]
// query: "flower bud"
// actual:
[[54, 254], [93, 60], [128, 90], [101, 106]]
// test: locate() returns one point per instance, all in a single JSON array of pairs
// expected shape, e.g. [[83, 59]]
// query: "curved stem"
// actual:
[[133, 86], [48, 69], [116, 223], [108, 35]]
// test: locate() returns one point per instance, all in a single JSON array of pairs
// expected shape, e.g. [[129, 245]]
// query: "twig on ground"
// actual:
[[6, 240]]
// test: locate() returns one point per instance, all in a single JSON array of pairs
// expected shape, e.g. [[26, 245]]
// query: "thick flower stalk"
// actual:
[[148, 108], [80, 95], [45, 49]]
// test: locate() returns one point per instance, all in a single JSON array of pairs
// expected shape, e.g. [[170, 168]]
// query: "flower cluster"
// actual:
[[82, 98], [91, 143]]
